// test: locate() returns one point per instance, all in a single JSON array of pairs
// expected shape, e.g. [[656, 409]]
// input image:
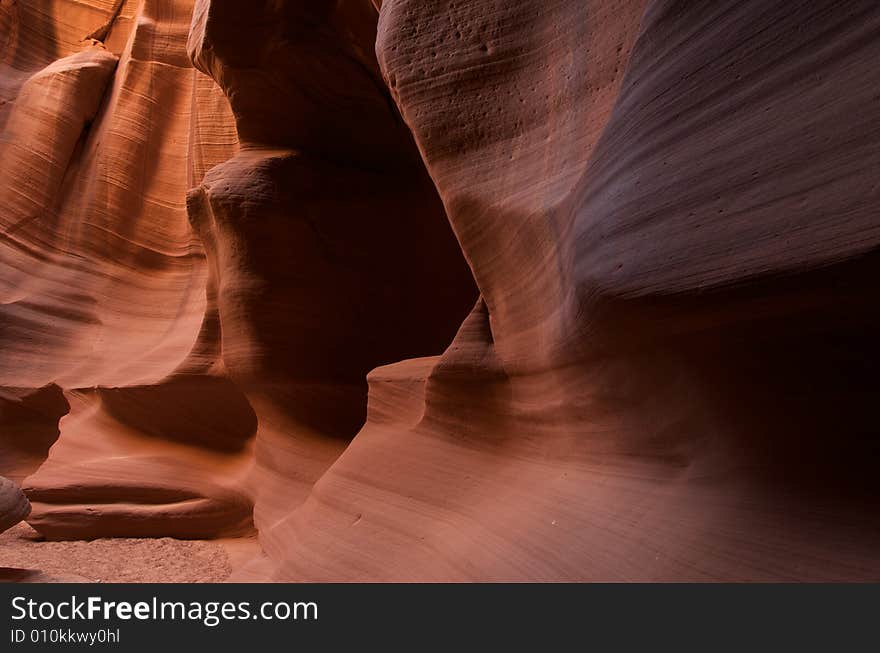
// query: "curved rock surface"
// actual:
[[589, 284], [14, 505], [105, 322]]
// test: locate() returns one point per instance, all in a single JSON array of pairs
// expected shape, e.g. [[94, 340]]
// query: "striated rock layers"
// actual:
[[207, 352], [104, 298], [227, 251]]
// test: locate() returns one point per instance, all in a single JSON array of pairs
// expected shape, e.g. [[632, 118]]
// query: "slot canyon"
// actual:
[[439, 290]]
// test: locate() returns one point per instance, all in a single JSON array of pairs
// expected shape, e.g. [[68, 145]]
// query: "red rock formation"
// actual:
[[330, 247], [328, 253], [668, 375], [667, 208], [104, 282]]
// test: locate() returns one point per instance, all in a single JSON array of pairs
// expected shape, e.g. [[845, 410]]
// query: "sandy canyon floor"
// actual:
[[25, 557]]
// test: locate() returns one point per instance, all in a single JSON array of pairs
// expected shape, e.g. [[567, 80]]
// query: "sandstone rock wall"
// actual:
[[606, 267]]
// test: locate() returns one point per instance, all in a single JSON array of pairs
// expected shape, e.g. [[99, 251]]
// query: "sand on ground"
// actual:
[[26, 557]]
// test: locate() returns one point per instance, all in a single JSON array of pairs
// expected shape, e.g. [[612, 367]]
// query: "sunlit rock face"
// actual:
[[196, 286], [427, 290], [106, 323]]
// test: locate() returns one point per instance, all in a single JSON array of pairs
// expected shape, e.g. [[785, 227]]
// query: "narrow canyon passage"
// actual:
[[419, 290]]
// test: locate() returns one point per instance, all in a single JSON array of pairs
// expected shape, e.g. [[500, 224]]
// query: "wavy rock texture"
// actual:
[[104, 317], [668, 374], [668, 210], [302, 287], [331, 250]]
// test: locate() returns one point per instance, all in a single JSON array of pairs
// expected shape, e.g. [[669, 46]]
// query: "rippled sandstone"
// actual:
[[430, 290]]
